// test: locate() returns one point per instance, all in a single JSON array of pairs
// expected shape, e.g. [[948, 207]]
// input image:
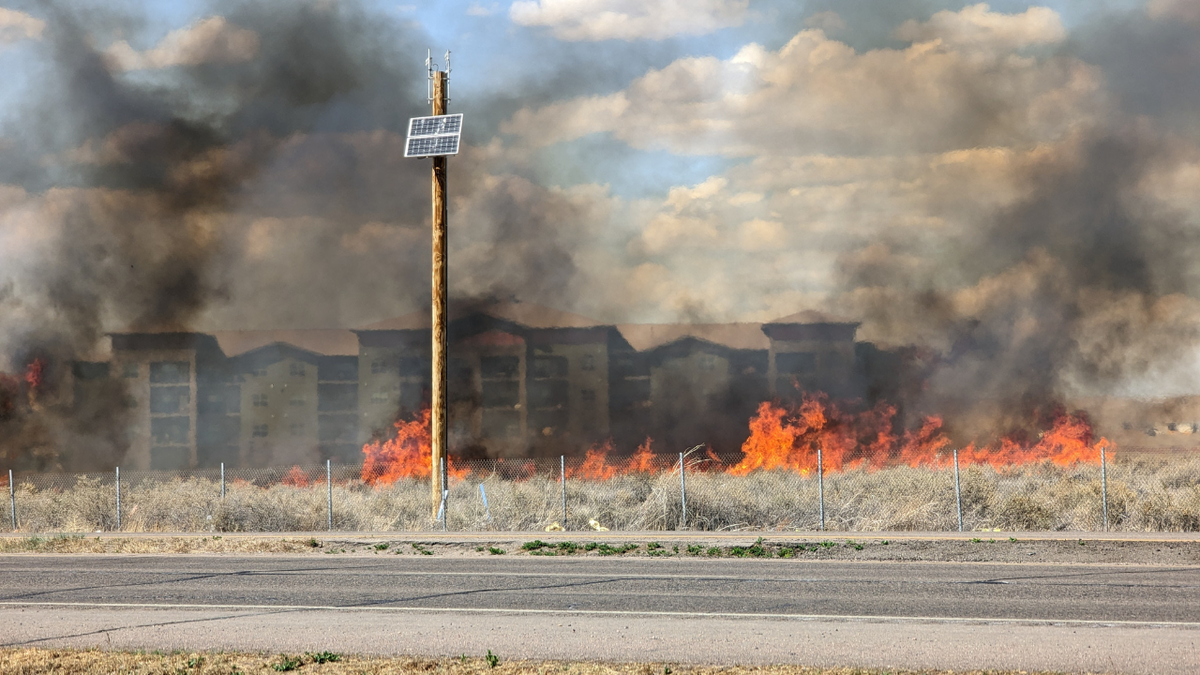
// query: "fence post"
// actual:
[[821, 485], [562, 481], [682, 495], [329, 493], [958, 491], [118, 499], [1104, 485], [222, 480], [12, 500]]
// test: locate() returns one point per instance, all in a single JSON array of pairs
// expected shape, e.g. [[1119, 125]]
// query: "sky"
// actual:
[[1014, 177]]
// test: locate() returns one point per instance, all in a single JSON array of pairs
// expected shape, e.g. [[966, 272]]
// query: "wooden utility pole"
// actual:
[[439, 416]]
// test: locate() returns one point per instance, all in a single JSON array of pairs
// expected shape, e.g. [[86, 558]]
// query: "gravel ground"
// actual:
[[67, 661], [978, 547]]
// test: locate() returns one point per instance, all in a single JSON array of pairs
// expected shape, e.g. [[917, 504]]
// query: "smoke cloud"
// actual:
[[1010, 195]]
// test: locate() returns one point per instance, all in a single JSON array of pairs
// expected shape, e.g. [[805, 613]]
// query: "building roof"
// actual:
[[644, 336], [327, 342], [527, 314], [810, 316]]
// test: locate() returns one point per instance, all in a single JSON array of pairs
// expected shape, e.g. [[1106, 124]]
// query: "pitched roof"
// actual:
[[644, 336], [526, 314], [327, 342]]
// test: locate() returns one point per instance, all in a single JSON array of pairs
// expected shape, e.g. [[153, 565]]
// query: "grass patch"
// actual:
[[495, 551], [421, 549], [605, 549]]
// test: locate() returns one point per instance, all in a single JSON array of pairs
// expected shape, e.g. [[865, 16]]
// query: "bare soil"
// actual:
[[66, 661], [986, 547]]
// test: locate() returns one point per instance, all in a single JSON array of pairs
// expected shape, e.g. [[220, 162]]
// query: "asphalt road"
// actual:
[[1071, 618]]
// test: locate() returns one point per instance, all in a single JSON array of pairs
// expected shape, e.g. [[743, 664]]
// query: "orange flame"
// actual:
[[406, 455], [788, 439], [642, 460], [33, 374], [595, 464], [296, 478]]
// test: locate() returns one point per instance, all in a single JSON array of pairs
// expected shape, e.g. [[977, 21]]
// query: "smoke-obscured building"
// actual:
[[523, 380]]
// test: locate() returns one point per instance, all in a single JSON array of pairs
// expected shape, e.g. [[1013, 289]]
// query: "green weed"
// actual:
[[492, 659], [286, 664], [421, 549], [495, 551], [535, 545], [324, 657]]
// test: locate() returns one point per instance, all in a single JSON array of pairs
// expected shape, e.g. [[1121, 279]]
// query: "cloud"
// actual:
[[211, 40], [476, 9], [1186, 10], [959, 86], [828, 21], [591, 20], [979, 27], [16, 26]]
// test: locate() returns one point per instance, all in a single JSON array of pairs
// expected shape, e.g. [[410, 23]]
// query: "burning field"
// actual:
[[872, 481]]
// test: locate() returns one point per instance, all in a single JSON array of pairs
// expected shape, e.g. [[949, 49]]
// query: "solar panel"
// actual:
[[433, 136]]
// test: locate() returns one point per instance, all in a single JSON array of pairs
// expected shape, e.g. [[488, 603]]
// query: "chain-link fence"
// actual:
[[1128, 490]]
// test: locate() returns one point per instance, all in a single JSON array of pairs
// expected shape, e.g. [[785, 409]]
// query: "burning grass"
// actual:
[[1159, 494], [69, 661]]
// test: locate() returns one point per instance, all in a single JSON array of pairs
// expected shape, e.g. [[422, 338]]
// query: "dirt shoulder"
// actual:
[[68, 661], [994, 547]]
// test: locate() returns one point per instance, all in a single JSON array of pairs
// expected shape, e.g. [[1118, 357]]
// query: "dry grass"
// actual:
[[70, 662], [1150, 495], [77, 543]]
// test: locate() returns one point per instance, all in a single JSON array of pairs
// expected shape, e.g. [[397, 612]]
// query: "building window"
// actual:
[[379, 397], [259, 400], [377, 366], [499, 367], [547, 367], [588, 396], [296, 429], [261, 431], [297, 370], [588, 362], [297, 401], [410, 366], [170, 372], [130, 371]]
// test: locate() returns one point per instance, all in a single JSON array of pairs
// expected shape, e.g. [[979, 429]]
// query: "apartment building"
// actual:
[[523, 380]]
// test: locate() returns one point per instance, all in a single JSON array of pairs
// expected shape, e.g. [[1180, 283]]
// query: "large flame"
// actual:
[[405, 455], [782, 438]]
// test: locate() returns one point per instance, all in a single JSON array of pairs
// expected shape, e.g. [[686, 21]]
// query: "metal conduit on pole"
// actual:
[[12, 500], [562, 481], [118, 499], [1104, 485], [682, 495], [821, 486], [222, 480], [443, 512], [329, 493], [958, 491]]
